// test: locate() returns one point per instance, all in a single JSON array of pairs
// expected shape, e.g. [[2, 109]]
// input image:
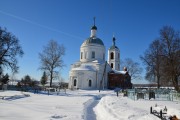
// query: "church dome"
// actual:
[[93, 40], [94, 27]]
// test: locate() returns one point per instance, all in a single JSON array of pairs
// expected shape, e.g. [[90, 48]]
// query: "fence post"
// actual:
[[161, 114], [151, 109]]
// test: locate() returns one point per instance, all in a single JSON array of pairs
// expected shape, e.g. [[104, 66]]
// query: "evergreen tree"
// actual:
[[5, 79], [26, 80], [44, 79]]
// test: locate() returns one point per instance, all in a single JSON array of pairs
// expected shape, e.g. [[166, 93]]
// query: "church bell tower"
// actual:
[[114, 56]]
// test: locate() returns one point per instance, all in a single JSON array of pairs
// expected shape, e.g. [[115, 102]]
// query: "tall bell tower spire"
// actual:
[[114, 39], [114, 55], [94, 21]]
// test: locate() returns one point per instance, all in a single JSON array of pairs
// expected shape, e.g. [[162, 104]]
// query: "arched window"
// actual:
[[90, 83], [118, 55], [85, 55], [112, 55], [93, 54], [81, 55], [75, 81], [111, 65]]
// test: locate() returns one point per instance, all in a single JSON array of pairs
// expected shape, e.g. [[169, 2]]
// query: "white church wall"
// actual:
[[98, 49], [82, 79], [90, 76]]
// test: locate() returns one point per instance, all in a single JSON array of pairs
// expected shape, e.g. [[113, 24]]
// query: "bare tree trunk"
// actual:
[[51, 77], [158, 81], [175, 83]]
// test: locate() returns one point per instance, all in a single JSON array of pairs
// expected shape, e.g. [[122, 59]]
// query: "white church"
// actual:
[[91, 72]]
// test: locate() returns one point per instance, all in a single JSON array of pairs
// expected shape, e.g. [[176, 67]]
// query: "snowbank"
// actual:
[[122, 108]]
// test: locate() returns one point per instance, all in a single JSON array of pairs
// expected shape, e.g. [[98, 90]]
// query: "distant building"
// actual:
[[92, 71]]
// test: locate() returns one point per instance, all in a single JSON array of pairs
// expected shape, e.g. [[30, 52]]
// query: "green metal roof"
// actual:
[[94, 27], [113, 47], [93, 40]]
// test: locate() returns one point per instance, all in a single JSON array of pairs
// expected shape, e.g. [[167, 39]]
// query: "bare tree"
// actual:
[[133, 68], [52, 58], [162, 58], [9, 50], [61, 81], [171, 53], [152, 58]]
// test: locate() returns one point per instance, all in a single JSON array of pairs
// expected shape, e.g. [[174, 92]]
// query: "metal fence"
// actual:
[[156, 94]]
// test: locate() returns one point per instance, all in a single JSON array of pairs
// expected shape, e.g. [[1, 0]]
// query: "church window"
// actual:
[[90, 83], [81, 55], [111, 65], [112, 55], [93, 54], [75, 82], [85, 55], [118, 55]]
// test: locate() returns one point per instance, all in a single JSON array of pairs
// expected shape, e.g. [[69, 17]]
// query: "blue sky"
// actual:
[[135, 23]]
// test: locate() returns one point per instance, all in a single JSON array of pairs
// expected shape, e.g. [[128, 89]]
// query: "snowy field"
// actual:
[[79, 105]]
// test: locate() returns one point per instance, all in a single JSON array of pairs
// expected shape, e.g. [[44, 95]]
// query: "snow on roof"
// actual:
[[98, 61], [120, 72], [85, 67]]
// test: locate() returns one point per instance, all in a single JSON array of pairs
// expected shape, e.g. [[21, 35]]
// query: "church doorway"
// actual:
[[112, 65], [90, 83], [75, 82]]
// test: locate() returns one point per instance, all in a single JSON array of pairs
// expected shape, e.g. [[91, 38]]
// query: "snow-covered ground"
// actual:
[[123, 108], [78, 105]]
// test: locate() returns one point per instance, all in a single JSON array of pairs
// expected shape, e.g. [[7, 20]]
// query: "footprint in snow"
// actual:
[[58, 116]]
